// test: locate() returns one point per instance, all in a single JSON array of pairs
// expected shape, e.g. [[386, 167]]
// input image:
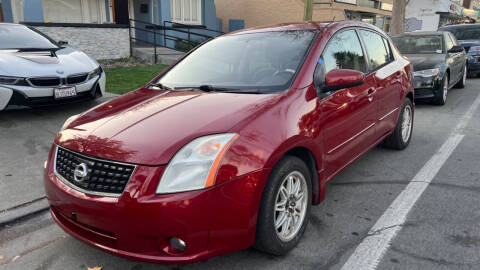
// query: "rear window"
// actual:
[[21, 37]]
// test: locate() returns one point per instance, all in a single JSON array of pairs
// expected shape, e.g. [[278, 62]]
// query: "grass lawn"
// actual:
[[121, 80]]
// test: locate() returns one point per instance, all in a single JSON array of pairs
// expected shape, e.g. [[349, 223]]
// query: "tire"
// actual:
[[463, 81], [398, 140], [269, 238], [441, 97]]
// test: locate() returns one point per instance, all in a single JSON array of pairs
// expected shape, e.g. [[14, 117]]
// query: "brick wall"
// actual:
[[99, 43], [264, 12]]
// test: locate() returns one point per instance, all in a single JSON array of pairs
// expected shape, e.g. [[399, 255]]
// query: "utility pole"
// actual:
[[308, 10]]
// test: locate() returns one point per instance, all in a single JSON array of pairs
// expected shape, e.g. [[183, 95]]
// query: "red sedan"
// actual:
[[231, 146]]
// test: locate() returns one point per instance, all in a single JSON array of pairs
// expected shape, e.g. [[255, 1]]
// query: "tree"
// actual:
[[398, 17]]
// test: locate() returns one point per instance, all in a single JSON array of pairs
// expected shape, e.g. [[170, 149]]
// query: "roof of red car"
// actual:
[[308, 26]]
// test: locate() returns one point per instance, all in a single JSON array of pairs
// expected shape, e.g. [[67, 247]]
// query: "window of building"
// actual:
[[386, 6], [187, 11], [368, 3], [344, 51], [74, 11], [375, 47]]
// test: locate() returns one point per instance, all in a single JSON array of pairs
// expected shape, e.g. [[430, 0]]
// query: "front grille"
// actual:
[[76, 79], [102, 177], [45, 82]]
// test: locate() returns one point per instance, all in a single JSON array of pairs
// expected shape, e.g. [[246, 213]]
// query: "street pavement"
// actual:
[[441, 231]]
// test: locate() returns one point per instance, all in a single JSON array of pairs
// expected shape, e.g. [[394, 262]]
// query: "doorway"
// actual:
[[120, 11], [1, 13]]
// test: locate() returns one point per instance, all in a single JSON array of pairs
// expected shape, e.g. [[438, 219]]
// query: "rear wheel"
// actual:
[[285, 207], [463, 81], [400, 138], [441, 97]]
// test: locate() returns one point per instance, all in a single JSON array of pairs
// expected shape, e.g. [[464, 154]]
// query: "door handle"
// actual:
[[370, 93]]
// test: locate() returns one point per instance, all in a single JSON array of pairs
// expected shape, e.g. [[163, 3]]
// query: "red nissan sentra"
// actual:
[[231, 146]]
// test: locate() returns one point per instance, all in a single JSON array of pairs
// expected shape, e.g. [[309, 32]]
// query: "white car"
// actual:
[[36, 71]]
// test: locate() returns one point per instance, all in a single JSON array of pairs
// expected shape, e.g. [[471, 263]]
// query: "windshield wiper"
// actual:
[[159, 85], [211, 88]]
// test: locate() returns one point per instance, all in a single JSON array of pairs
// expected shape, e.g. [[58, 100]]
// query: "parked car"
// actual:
[[439, 63], [469, 37], [232, 145], [36, 71]]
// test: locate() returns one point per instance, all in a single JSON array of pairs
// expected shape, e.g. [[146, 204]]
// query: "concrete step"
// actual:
[[165, 56]]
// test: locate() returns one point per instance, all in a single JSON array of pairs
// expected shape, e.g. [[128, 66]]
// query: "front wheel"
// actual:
[[441, 97], [285, 207], [401, 136], [463, 81]]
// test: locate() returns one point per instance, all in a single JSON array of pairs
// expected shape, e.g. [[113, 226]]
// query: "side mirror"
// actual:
[[456, 49], [62, 42], [342, 78]]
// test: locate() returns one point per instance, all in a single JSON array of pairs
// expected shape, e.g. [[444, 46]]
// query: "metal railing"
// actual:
[[169, 35]]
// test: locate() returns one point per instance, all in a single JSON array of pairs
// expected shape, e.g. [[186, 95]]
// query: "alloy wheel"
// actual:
[[290, 206], [407, 123], [445, 90]]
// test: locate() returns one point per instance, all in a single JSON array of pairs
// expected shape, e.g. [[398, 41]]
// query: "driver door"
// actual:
[[348, 115]]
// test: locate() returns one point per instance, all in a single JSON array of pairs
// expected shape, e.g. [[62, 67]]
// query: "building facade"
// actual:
[[101, 27], [429, 15], [236, 14]]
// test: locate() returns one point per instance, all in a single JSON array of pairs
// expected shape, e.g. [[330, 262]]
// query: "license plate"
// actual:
[[65, 92]]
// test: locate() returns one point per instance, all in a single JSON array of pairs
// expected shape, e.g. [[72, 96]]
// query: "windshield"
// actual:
[[21, 37], [465, 34], [258, 61], [418, 44]]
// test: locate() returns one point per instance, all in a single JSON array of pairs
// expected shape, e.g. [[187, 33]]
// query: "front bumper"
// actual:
[[139, 224], [38, 96], [427, 88]]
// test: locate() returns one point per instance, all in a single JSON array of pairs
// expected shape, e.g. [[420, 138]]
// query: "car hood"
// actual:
[[149, 126], [425, 61], [38, 64]]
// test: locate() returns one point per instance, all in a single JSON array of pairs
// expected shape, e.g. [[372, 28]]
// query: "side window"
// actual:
[[376, 50], [454, 40], [389, 51], [344, 51], [449, 42]]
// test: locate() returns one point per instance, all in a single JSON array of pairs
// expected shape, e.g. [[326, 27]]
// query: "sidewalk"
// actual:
[[26, 137]]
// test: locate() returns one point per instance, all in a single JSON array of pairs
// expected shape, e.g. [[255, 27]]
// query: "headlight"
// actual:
[[7, 80], [427, 73], [96, 72], [69, 121], [195, 166]]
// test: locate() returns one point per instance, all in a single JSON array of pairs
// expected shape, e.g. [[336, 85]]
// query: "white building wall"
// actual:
[[421, 15]]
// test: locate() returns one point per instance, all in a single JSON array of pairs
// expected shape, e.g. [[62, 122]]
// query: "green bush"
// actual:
[[185, 46]]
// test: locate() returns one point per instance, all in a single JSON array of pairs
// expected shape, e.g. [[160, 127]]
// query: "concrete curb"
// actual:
[[16, 213]]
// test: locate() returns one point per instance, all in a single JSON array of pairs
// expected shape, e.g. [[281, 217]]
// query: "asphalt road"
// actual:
[[441, 231]]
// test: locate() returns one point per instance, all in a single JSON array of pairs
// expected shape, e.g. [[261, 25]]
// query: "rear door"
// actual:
[[387, 75], [348, 115], [453, 59]]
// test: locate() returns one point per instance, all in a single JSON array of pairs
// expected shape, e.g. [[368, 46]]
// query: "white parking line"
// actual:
[[370, 251]]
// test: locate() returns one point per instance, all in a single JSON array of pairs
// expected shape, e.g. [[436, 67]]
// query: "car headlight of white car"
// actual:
[[195, 166], [8, 80], [427, 73], [96, 72]]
